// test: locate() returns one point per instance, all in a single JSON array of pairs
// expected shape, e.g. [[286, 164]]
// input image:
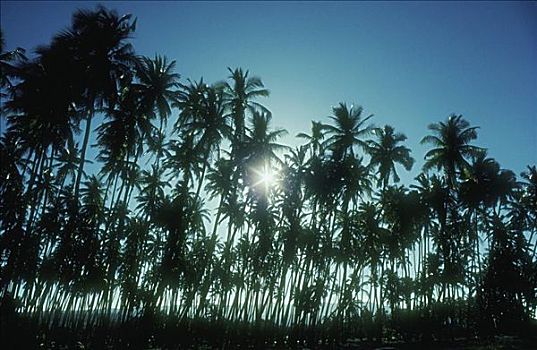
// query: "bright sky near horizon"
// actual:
[[410, 64]]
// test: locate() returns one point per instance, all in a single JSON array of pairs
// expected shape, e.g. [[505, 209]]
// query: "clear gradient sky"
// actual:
[[410, 64]]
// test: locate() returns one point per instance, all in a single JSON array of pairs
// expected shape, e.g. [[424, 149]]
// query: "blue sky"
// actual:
[[410, 64]]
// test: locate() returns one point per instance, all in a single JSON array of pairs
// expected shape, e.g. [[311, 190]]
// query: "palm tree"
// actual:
[[529, 200], [158, 84], [404, 213], [132, 263], [156, 146], [8, 67], [239, 95], [42, 112], [315, 140], [260, 141], [151, 193], [530, 185], [372, 236], [191, 105], [210, 127], [67, 163], [184, 162], [509, 279], [219, 184], [451, 140], [117, 139], [385, 153], [348, 130], [42, 119], [484, 187], [434, 195], [96, 44], [13, 206], [182, 217]]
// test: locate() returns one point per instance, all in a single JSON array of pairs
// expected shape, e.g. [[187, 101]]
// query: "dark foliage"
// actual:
[[209, 232]]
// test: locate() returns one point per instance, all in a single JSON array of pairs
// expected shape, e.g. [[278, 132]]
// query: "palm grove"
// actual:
[[178, 215]]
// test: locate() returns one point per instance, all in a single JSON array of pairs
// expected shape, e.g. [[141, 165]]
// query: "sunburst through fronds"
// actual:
[[264, 177]]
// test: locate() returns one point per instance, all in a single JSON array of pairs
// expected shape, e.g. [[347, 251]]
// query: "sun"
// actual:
[[265, 176]]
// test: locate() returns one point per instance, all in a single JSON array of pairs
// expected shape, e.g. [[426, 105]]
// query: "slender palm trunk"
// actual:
[[89, 117]]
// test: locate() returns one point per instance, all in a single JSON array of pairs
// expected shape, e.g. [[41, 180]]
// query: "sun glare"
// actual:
[[265, 177]]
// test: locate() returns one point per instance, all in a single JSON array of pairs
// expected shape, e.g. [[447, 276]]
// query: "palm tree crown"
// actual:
[[451, 140], [348, 131], [385, 153]]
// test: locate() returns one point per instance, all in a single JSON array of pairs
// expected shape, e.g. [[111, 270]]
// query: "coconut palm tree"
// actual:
[[42, 119], [348, 131], [184, 163], [118, 137], [158, 84], [156, 147], [529, 200], [486, 186], [8, 66], [261, 141], [13, 206], [315, 140], [41, 111], [96, 46], [451, 140], [210, 127], [131, 265], [240, 92], [385, 153], [151, 193], [509, 278], [219, 185], [530, 185]]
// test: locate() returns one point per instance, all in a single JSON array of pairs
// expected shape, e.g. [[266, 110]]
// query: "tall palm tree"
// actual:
[[348, 131], [486, 183], [151, 193], [42, 111], [96, 44], [484, 186], [261, 141], [210, 127], [13, 206], [315, 140], [385, 153], [530, 184], [528, 201], [451, 140], [158, 85], [132, 261], [156, 147], [240, 93], [8, 66], [42, 119], [184, 163]]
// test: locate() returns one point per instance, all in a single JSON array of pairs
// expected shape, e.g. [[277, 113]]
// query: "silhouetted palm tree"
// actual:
[[260, 141], [315, 140], [451, 140], [158, 85], [385, 153], [8, 66], [348, 131], [96, 45], [240, 93]]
